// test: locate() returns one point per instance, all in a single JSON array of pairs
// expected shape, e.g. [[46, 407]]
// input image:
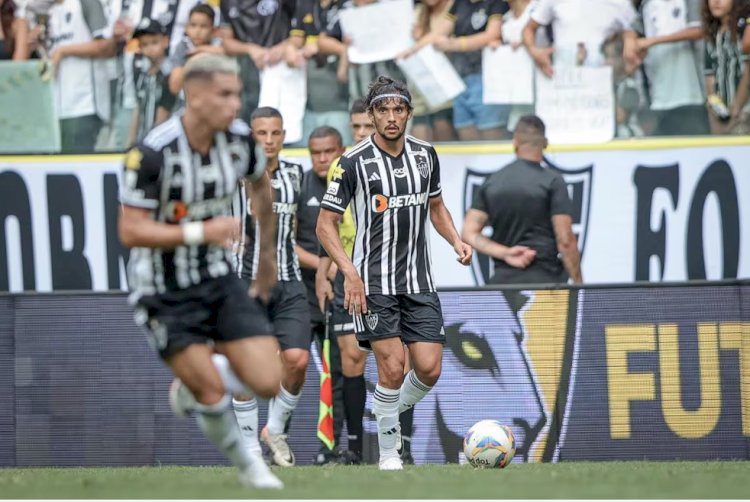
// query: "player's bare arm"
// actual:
[[443, 222], [260, 194], [515, 256], [323, 286], [328, 235], [137, 228], [567, 245]]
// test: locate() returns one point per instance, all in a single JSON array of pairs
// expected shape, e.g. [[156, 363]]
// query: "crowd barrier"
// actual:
[[641, 371]]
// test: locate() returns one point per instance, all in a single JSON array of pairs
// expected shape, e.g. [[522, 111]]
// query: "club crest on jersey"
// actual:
[[420, 161], [372, 320], [579, 189]]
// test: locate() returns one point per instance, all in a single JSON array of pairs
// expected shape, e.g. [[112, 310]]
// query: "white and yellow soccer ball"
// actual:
[[489, 444]]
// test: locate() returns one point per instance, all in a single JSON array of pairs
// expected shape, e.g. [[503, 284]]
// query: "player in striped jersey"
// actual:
[[176, 203], [287, 308], [393, 183]]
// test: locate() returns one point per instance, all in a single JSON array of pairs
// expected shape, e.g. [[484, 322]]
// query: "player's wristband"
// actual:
[[192, 233]]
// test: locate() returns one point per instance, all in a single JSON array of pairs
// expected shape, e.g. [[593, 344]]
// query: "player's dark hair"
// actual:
[[326, 132], [265, 112], [358, 106], [386, 86], [530, 129], [204, 9]]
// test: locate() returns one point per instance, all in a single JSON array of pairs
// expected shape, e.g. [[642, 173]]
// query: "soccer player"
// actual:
[[287, 308], [394, 183], [176, 201]]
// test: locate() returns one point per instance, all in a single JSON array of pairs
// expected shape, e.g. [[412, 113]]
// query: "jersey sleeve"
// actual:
[[96, 19], [543, 13], [303, 24], [435, 186], [341, 187], [141, 179], [479, 202], [559, 199], [257, 162]]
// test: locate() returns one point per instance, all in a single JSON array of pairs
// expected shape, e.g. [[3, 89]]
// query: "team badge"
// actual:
[[371, 320], [420, 161]]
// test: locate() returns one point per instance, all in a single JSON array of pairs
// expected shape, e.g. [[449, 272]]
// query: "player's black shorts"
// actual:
[[216, 310], [414, 318], [290, 315], [342, 322]]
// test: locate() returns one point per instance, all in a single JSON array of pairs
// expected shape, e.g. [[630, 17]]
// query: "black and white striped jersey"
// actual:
[[286, 182], [390, 203], [163, 174]]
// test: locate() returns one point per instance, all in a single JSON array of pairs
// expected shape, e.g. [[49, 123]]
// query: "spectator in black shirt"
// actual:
[[474, 25], [529, 210], [258, 29]]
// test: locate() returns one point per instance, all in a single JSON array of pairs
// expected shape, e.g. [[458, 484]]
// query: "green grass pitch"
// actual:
[[651, 480]]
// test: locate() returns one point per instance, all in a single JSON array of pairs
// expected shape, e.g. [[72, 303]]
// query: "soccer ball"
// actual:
[[489, 444]]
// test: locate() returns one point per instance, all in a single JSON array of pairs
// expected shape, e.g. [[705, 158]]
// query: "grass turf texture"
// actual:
[[566, 480]]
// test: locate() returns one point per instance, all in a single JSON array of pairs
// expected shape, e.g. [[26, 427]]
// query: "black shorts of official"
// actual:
[[216, 310], [411, 317], [290, 315]]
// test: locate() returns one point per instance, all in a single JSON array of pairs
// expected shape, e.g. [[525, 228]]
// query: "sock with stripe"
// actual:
[[355, 395], [280, 408], [412, 391], [219, 425], [247, 418], [385, 408]]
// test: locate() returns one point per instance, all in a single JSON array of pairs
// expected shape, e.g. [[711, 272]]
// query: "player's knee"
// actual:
[[295, 360], [429, 376], [268, 387], [391, 372], [208, 394]]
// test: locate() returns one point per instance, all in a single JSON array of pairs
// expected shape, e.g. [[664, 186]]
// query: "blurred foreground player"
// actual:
[[177, 193]]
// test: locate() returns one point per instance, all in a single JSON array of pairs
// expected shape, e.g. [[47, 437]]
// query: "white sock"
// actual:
[[280, 408], [385, 407], [247, 418], [219, 425], [232, 384], [412, 392]]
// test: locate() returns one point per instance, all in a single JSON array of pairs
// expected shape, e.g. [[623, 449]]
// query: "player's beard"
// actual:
[[392, 135]]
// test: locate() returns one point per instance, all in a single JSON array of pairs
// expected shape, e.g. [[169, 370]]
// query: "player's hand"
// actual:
[[221, 230], [442, 43], [543, 59], [464, 252], [259, 55], [323, 291], [276, 54], [520, 256], [354, 294]]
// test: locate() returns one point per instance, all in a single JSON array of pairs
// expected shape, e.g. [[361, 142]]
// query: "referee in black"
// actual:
[[529, 210]]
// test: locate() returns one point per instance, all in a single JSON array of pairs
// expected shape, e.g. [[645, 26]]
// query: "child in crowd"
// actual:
[[199, 37], [151, 74]]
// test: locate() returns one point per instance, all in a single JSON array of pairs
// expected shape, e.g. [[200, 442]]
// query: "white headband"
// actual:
[[390, 95]]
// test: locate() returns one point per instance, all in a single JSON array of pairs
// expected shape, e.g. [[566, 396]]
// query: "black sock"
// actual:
[[407, 427], [355, 393]]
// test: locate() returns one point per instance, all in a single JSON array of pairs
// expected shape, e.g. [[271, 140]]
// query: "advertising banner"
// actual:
[[643, 211], [626, 373]]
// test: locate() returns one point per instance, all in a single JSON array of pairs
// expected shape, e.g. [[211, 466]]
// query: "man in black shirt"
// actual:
[[529, 210], [176, 203], [325, 145], [394, 183]]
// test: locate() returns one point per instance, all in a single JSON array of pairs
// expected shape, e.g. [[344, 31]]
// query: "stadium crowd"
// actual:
[[680, 67]]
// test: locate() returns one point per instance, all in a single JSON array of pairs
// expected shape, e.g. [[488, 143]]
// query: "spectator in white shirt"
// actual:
[[579, 28], [669, 49], [78, 44]]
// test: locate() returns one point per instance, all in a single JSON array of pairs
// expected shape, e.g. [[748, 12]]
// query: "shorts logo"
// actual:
[[371, 320]]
